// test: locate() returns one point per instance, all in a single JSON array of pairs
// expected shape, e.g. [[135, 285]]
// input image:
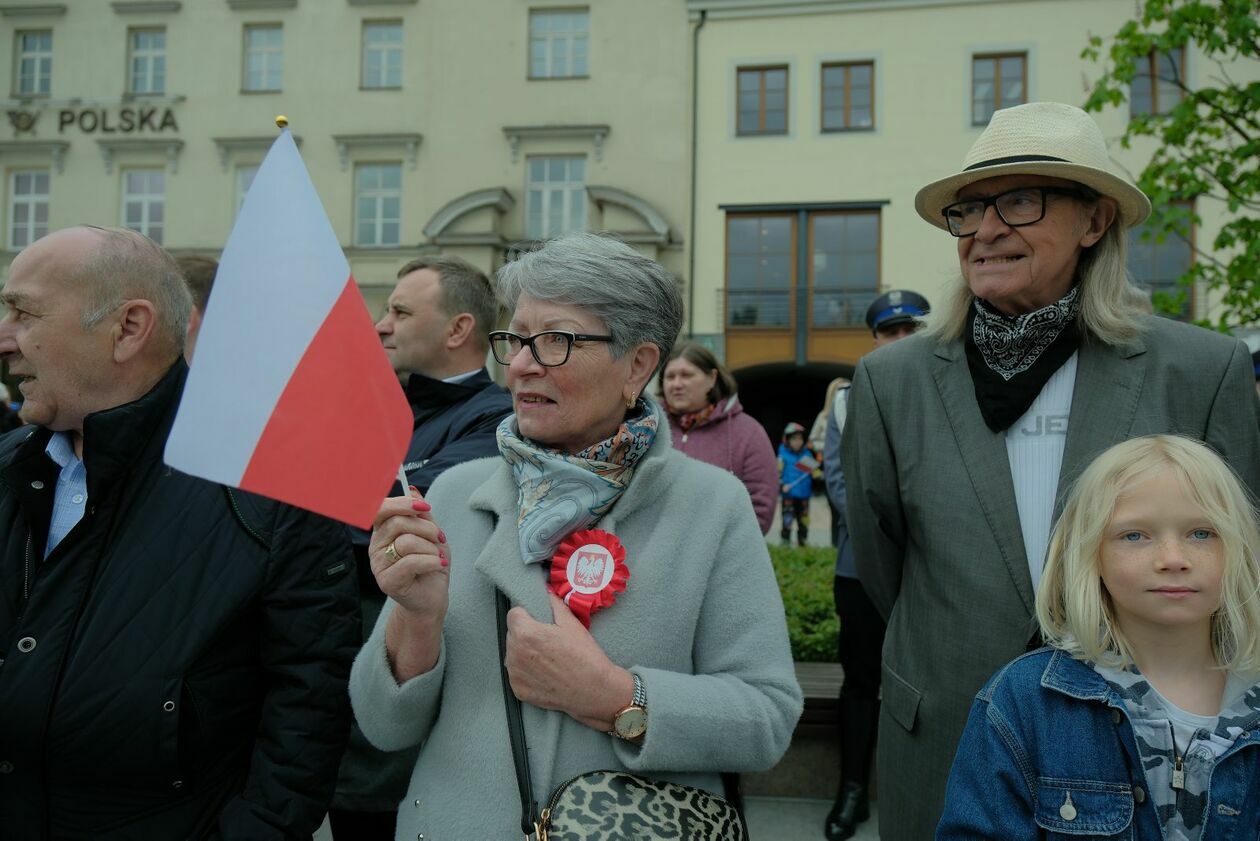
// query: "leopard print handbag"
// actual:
[[611, 805], [617, 806]]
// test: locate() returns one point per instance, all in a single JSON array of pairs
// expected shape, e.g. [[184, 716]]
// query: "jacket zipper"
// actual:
[[26, 571]]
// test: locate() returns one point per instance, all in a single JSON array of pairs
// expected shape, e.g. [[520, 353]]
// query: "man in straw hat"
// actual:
[[961, 439]]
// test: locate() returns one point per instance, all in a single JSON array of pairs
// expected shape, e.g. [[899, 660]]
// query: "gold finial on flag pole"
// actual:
[[282, 122]]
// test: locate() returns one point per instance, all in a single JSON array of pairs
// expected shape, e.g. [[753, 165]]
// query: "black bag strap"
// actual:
[[516, 725]]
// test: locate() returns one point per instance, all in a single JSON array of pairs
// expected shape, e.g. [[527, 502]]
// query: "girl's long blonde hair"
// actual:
[[1073, 606]]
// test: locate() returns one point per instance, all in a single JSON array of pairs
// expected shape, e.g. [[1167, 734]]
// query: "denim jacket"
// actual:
[[1049, 752]]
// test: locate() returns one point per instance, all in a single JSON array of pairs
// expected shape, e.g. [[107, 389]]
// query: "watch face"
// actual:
[[631, 723]]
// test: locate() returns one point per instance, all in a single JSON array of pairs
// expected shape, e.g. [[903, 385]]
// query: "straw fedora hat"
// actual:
[[1040, 138]]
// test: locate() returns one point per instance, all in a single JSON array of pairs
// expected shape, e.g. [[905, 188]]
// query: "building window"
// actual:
[[1157, 86], [144, 202], [557, 197], [28, 206], [377, 204], [997, 81], [382, 54], [558, 43], [848, 96], [762, 100], [33, 54], [843, 266], [1158, 266], [244, 180], [760, 270], [148, 61], [264, 57]]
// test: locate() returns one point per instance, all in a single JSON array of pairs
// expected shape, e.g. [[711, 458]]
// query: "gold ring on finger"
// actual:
[[391, 552]]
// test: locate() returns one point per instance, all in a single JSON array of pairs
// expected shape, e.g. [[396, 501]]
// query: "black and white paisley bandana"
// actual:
[[1011, 359]]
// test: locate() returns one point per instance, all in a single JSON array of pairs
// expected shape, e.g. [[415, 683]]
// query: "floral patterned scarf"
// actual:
[[561, 493], [688, 420]]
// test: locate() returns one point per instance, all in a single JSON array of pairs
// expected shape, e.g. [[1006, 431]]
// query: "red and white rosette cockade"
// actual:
[[588, 570]]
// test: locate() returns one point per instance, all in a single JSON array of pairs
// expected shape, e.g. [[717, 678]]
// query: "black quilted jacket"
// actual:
[[176, 668]]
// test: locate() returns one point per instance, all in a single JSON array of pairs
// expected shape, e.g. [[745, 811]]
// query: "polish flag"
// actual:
[[291, 395]]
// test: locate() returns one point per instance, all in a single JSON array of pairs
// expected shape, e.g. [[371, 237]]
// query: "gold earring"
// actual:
[[630, 402]]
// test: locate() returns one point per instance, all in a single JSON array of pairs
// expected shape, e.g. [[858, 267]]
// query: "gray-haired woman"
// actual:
[[960, 440], [681, 675]]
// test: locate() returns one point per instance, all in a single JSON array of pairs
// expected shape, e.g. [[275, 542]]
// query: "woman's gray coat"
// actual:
[[936, 531], [701, 622]]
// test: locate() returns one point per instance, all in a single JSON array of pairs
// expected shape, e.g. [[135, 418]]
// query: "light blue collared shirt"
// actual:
[[70, 498]]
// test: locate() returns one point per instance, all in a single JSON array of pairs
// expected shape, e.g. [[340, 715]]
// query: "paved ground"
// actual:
[[772, 819], [819, 523]]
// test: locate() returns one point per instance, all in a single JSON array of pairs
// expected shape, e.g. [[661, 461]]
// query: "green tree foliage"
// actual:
[[1208, 143]]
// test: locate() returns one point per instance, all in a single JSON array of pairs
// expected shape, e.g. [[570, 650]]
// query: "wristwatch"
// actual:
[[631, 723]]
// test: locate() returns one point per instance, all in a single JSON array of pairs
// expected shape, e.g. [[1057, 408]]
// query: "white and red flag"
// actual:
[[291, 395]]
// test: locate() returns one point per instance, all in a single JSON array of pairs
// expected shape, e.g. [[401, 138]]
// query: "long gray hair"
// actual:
[[1111, 306], [635, 297]]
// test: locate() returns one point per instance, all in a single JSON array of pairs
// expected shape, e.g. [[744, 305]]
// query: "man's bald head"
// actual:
[[126, 265]]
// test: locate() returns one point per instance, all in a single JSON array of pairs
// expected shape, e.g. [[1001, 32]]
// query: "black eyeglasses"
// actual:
[[551, 348], [1018, 207]]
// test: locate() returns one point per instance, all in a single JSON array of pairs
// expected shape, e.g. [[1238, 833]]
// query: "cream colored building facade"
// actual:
[[819, 120], [467, 126], [479, 126]]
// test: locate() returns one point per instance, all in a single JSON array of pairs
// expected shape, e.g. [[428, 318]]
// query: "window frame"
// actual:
[[568, 187], [847, 106], [238, 171], [569, 42], [379, 195], [150, 55], [30, 200], [812, 286], [246, 29], [1152, 74], [998, 103], [364, 49], [1149, 284], [763, 69], [793, 261], [43, 62], [147, 201]]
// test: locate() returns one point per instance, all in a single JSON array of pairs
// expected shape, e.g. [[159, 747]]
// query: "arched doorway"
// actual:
[[781, 392]]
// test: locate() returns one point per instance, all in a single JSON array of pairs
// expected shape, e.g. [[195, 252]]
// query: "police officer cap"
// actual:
[[895, 307]]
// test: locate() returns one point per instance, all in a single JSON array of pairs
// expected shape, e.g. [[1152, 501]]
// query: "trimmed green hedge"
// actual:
[[805, 578]]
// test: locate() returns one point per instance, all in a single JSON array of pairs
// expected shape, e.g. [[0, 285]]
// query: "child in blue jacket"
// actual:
[[798, 467], [1142, 721]]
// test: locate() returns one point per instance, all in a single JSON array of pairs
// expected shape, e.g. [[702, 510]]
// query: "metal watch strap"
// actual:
[[640, 696]]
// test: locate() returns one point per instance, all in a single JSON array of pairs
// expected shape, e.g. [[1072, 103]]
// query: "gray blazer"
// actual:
[[701, 622], [936, 531], [833, 474]]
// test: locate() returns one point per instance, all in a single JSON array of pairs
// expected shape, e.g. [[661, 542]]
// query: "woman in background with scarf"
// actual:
[[668, 655], [708, 423], [961, 438]]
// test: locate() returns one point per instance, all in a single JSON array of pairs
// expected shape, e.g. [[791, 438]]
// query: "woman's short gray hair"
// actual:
[[635, 297]]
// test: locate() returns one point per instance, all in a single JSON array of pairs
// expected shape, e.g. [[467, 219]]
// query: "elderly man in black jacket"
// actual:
[[174, 653], [434, 333]]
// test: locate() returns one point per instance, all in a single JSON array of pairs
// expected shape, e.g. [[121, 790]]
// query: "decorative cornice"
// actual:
[[55, 149], [496, 197], [170, 147], [251, 5], [145, 7], [228, 146], [733, 9], [515, 134], [652, 217], [33, 10], [346, 143]]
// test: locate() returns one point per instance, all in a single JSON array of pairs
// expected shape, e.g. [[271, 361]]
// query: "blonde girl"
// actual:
[[1142, 717]]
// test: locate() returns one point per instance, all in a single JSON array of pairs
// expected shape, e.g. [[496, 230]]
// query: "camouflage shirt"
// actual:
[[1200, 742]]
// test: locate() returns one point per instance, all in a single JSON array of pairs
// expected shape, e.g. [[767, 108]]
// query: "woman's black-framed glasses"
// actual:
[[1018, 207], [551, 348]]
